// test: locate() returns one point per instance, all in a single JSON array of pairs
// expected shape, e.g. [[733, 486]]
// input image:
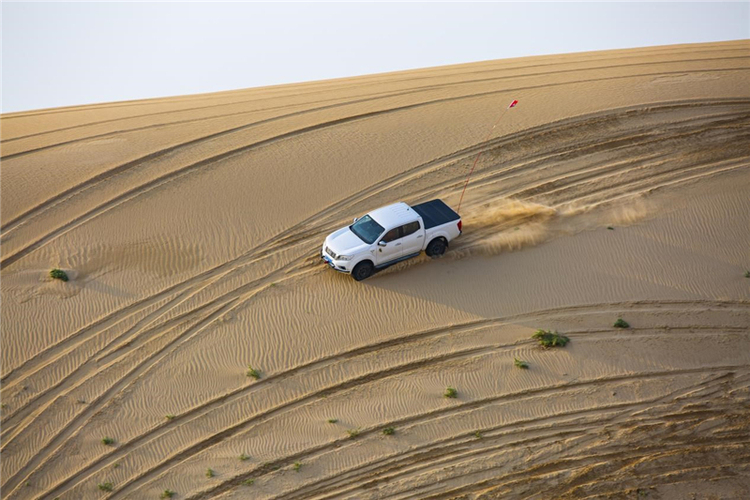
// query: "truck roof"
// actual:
[[394, 215]]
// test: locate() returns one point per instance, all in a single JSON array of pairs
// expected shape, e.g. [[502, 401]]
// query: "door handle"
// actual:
[[420, 236], [397, 244]]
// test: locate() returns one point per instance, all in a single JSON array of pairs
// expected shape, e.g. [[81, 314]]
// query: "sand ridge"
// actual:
[[190, 228]]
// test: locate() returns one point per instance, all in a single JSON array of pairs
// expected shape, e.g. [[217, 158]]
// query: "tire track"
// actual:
[[241, 393], [285, 461], [387, 468], [73, 427], [181, 455], [380, 95], [291, 236], [335, 84], [549, 159], [134, 192], [282, 243], [573, 463], [32, 402]]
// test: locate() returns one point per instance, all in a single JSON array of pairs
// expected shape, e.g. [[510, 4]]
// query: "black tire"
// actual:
[[363, 270], [436, 248]]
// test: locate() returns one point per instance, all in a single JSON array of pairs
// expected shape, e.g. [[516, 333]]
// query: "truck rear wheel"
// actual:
[[436, 248], [363, 270]]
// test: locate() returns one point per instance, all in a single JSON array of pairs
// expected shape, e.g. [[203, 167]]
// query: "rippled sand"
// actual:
[[190, 228]]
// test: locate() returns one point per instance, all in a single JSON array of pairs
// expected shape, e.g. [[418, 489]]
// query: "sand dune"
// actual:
[[190, 228]]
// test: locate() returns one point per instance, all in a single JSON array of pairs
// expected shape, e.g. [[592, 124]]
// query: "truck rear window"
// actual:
[[367, 229]]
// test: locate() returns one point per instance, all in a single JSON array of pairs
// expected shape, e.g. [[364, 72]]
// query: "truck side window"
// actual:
[[409, 228], [391, 235]]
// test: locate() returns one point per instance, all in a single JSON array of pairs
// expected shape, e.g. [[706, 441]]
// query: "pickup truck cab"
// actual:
[[389, 235]]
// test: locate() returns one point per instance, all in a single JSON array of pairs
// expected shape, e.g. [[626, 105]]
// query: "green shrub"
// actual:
[[389, 431], [548, 338], [58, 274], [244, 457], [170, 417], [332, 420], [610, 228], [248, 482], [353, 433], [520, 364], [450, 392], [621, 323], [106, 486], [167, 494], [252, 372], [747, 274], [108, 441], [478, 434], [297, 466], [210, 472]]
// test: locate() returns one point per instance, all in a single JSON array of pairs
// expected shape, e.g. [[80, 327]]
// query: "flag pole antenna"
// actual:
[[511, 105]]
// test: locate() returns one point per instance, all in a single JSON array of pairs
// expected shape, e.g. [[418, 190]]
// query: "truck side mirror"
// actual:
[[355, 219], [382, 243]]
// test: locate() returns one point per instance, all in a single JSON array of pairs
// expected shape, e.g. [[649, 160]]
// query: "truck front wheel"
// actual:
[[436, 248], [363, 270]]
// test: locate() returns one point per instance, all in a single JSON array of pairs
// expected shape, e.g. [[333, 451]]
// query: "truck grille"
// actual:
[[330, 252]]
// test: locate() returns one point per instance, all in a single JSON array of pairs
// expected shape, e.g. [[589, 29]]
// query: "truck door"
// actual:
[[392, 248], [412, 238]]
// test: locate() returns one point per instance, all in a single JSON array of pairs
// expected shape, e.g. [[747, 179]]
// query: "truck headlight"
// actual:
[[344, 257]]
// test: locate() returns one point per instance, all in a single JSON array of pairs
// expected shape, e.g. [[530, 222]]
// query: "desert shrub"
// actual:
[[252, 372], [210, 472], [353, 433], [297, 466], [520, 364], [621, 323], [170, 417], [450, 392], [332, 420], [58, 274], [167, 494], [106, 486], [547, 338], [244, 457], [108, 441], [248, 482], [389, 431]]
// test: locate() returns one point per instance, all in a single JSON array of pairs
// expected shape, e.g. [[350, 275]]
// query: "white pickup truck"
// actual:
[[389, 235]]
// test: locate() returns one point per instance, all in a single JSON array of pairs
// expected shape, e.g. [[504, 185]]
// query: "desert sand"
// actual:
[[190, 228]]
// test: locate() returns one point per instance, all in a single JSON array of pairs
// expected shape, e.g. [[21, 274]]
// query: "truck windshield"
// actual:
[[367, 229]]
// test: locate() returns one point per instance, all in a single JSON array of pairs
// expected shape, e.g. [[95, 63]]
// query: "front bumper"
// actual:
[[341, 266]]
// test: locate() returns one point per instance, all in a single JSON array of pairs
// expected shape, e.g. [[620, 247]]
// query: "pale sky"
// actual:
[[61, 54]]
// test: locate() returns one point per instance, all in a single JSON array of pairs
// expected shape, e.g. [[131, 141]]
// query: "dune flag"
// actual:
[[460, 200]]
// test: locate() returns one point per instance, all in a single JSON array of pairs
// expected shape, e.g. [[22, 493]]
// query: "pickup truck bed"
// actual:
[[435, 213]]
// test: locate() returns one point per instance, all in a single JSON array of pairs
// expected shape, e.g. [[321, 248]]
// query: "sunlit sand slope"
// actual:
[[190, 228]]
